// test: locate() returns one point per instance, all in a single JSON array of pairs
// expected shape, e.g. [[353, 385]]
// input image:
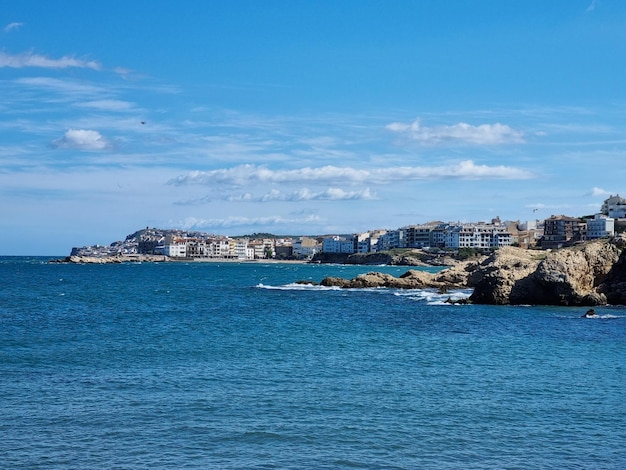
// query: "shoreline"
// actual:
[[163, 259]]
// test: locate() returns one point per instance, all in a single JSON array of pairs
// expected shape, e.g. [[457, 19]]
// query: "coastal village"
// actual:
[[556, 231]]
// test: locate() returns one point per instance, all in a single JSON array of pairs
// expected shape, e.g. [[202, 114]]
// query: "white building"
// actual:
[[614, 207], [600, 226], [336, 244], [389, 240], [241, 249], [479, 235], [218, 248], [363, 242], [175, 247]]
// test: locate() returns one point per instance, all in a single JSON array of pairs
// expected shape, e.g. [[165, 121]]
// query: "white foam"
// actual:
[[296, 286]]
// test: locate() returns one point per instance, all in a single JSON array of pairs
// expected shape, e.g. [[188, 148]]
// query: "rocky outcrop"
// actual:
[[452, 278], [589, 274], [414, 257], [368, 259]]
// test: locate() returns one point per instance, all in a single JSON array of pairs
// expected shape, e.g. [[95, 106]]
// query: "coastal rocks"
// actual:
[[584, 275], [590, 274], [453, 278], [614, 284], [495, 278], [415, 257]]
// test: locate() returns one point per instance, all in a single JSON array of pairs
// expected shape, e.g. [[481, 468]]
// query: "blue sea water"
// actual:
[[234, 366]]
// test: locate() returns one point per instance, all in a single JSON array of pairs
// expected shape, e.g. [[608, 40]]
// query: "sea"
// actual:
[[238, 366]]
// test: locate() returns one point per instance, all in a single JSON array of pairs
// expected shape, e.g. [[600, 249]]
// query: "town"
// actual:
[[555, 232]]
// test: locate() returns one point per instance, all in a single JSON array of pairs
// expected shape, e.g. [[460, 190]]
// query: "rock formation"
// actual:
[[452, 278], [588, 274]]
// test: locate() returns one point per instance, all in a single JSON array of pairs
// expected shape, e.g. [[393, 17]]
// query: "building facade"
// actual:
[[560, 231], [614, 207], [600, 226]]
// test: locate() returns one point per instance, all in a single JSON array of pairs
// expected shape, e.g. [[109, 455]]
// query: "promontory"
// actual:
[[589, 274]]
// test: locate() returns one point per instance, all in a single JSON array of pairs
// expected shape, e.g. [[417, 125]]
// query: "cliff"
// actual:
[[590, 274]]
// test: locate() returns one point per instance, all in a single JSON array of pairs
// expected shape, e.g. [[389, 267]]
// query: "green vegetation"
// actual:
[[468, 253]]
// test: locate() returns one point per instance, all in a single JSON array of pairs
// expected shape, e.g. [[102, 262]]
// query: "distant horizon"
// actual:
[[297, 117]]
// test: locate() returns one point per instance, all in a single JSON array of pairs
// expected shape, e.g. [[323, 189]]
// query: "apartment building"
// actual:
[[305, 247], [560, 231], [600, 226], [614, 207]]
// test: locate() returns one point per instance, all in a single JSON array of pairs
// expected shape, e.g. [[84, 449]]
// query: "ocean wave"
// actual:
[[606, 316], [429, 296], [297, 286], [433, 297]]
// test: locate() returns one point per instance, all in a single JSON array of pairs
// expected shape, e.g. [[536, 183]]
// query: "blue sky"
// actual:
[[300, 117]]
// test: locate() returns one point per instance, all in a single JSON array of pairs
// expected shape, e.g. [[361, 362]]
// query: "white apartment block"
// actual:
[[483, 236], [336, 244], [600, 226], [614, 207], [390, 239], [175, 248]]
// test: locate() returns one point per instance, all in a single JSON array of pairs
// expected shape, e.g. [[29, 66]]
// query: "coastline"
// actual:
[[163, 259]]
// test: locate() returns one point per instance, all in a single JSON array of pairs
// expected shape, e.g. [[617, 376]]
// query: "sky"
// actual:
[[303, 118]]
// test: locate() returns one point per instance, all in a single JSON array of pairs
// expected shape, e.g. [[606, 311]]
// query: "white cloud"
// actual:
[[62, 86], [330, 194], [484, 134], [82, 140], [193, 223], [29, 59], [599, 192], [247, 174], [108, 105], [12, 26]]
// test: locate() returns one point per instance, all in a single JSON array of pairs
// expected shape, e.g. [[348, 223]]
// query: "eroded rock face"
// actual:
[[494, 280], [585, 275]]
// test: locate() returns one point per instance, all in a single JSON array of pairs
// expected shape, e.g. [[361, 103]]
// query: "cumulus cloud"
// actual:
[[28, 59], [193, 223], [246, 174], [12, 27], [484, 134], [81, 139]]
